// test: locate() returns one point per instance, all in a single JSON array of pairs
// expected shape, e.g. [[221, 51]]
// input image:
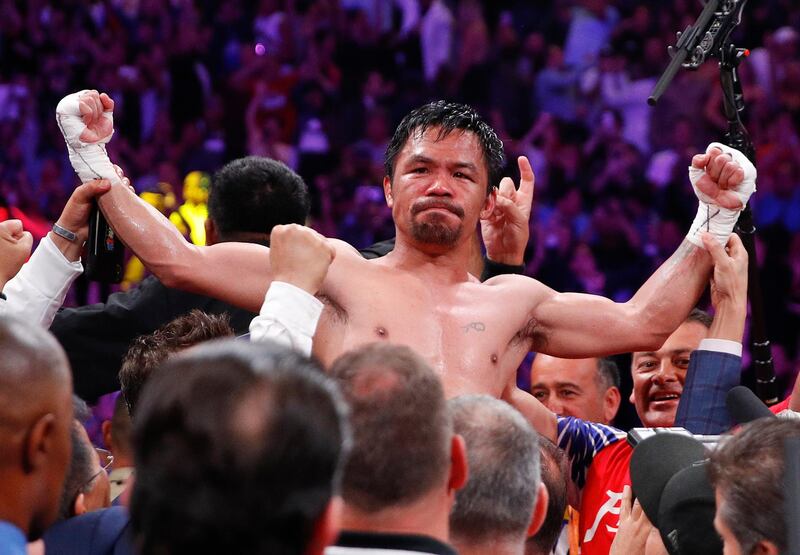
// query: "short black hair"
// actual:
[[147, 352], [81, 464], [699, 316], [238, 449], [449, 117], [254, 194]]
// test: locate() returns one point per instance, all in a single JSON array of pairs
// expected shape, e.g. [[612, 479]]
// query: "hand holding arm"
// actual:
[[539, 416], [234, 272], [75, 217], [728, 287], [300, 258]]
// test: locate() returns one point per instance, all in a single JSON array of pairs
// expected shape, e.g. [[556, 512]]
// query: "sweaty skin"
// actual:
[[475, 335]]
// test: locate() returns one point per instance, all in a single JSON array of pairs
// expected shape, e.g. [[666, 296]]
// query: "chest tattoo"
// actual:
[[474, 326]]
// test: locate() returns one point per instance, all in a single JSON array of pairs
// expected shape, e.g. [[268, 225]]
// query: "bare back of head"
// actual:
[[35, 418]]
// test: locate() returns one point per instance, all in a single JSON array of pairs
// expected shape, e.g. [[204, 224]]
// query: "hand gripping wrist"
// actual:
[[89, 160], [715, 219]]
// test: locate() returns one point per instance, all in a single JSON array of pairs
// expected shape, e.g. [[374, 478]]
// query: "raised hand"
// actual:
[[723, 179], [300, 256], [729, 280], [723, 176], [505, 232], [86, 120], [93, 108], [15, 248], [75, 216], [728, 287]]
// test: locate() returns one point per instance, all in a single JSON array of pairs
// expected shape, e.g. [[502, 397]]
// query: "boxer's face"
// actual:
[[438, 191], [658, 376]]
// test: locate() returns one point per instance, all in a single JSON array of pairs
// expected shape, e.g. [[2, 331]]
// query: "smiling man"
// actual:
[[659, 376]]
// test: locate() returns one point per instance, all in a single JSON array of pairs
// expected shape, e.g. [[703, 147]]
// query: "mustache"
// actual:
[[427, 203]]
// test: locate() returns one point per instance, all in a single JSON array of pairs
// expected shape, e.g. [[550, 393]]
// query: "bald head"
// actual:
[[35, 417]]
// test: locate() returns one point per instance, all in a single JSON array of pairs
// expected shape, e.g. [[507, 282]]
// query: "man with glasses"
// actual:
[[86, 487]]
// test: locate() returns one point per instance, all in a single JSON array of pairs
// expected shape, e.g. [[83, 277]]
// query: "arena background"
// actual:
[[320, 85]]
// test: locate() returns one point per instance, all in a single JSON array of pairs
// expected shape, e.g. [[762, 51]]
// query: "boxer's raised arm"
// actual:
[[577, 325], [237, 273]]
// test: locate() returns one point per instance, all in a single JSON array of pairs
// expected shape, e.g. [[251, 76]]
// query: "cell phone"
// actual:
[[105, 254]]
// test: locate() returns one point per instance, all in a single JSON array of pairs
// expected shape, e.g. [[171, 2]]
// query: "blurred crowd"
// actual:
[[320, 85]]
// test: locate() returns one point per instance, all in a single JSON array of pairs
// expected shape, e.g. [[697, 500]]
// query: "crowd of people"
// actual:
[[419, 423]]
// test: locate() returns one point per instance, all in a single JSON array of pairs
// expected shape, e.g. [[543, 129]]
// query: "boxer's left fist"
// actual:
[[723, 177]]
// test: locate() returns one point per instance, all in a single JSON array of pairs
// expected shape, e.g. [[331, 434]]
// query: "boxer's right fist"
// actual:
[[86, 120], [300, 256]]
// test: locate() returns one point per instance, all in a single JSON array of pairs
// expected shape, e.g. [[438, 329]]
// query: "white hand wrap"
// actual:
[[89, 160], [714, 219]]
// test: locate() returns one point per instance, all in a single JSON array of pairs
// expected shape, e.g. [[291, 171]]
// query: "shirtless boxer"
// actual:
[[420, 294]]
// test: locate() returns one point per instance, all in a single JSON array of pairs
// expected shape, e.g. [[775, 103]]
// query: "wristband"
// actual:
[[492, 269], [65, 233]]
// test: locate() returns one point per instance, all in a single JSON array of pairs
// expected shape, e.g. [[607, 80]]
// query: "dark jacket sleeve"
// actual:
[[96, 337], [702, 409]]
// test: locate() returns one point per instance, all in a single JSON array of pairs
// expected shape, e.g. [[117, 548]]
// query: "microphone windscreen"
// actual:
[[744, 406]]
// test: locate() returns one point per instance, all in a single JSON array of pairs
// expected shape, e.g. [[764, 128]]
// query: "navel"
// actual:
[[381, 332], [493, 358]]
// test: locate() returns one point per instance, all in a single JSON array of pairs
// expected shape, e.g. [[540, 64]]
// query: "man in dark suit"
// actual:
[[249, 196]]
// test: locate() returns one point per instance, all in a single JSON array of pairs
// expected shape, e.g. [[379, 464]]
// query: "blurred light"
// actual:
[[260, 49]]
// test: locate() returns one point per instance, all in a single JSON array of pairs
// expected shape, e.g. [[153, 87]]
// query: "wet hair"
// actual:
[[254, 194], [230, 456], [449, 117], [147, 352]]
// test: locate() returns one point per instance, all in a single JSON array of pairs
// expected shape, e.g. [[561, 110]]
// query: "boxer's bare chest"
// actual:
[[472, 338]]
